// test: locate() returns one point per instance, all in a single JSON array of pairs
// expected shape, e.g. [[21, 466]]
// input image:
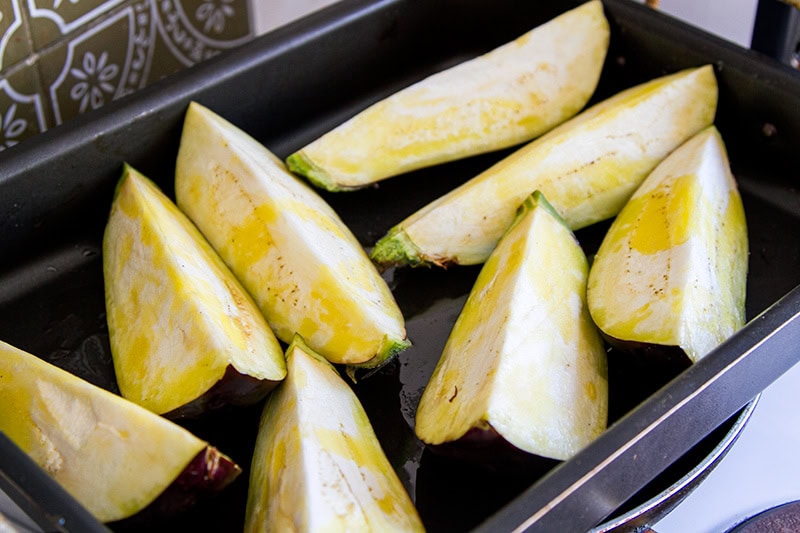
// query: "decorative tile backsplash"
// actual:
[[61, 58]]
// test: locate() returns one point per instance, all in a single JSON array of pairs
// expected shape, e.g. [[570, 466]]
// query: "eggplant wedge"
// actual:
[[523, 363], [305, 269], [587, 168], [502, 98], [113, 456], [185, 336], [672, 269], [318, 465]]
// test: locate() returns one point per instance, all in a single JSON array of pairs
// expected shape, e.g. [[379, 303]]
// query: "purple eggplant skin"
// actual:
[[638, 369], [643, 367], [207, 475], [485, 449], [669, 355], [233, 389]]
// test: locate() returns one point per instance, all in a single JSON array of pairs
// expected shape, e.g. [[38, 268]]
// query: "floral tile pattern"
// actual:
[[22, 110], [62, 58], [194, 30], [52, 19], [88, 70], [14, 42]]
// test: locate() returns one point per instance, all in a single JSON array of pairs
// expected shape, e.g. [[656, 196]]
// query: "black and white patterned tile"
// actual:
[[63, 58]]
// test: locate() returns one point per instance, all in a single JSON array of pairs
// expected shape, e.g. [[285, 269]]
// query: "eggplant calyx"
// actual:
[[302, 165]]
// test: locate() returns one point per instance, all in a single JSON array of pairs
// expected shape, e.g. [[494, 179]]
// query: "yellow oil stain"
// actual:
[[664, 216], [590, 388]]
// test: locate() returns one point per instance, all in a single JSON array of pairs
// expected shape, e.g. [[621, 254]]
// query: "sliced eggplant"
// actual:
[[523, 363], [505, 97], [184, 334], [291, 251], [113, 456], [318, 465], [587, 168], [672, 269]]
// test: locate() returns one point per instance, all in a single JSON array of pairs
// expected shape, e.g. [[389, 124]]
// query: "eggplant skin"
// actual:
[[208, 474], [233, 389], [113, 456], [486, 449], [670, 355]]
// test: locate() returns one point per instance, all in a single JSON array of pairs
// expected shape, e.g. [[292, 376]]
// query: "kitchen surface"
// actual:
[[762, 469]]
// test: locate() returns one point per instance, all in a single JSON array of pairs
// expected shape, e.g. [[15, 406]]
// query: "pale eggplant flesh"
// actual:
[[523, 362], [317, 464], [303, 266], [185, 336], [672, 270], [114, 457], [587, 168], [502, 98]]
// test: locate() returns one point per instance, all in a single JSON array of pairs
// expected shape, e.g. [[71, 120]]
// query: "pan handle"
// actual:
[[776, 30], [29, 487]]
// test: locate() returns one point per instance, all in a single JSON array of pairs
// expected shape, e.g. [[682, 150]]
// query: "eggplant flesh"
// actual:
[[317, 464], [587, 167], [303, 266], [672, 269], [177, 317], [504, 97], [523, 357], [113, 456]]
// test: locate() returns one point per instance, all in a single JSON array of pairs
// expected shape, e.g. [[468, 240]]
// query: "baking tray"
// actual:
[[287, 87]]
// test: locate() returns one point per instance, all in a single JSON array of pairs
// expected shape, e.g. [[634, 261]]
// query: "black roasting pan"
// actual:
[[290, 85]]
